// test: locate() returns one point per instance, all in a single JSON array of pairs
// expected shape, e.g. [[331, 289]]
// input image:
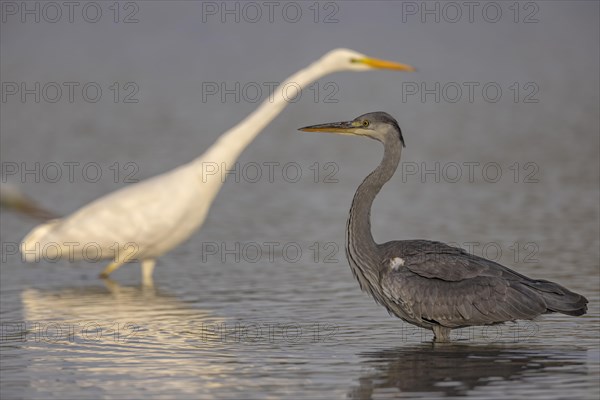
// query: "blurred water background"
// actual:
[[274, 312]]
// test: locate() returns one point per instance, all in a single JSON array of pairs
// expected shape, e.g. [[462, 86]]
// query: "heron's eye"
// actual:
[[365, 123]]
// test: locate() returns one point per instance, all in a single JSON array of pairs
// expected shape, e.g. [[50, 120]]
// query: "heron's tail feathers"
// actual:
[[560, 299]]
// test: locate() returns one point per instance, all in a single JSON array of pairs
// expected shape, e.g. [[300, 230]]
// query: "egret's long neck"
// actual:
[[360, 245], [229, 146]]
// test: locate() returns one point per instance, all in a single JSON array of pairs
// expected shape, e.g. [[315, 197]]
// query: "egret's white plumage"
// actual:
[[144, 221]]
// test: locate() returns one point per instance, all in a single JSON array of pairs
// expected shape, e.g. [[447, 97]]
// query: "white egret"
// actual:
[[145, 220]]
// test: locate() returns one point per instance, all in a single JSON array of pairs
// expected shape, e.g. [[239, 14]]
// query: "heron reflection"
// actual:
[[456, 370]]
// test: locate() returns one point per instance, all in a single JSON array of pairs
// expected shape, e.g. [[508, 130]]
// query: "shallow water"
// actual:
[[280, 315]]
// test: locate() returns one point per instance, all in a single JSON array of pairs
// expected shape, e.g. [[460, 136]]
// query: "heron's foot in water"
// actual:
[[441, 334]]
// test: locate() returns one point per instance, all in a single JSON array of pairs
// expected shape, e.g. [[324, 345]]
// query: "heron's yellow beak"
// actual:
[[384, 64], [342, 128]]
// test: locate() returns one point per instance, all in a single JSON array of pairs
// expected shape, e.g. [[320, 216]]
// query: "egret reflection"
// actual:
[[116, 331], [115, 315]]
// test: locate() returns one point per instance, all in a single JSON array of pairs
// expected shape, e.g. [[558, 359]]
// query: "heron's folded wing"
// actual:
[[453, 288], [437, 260], [474, 301]]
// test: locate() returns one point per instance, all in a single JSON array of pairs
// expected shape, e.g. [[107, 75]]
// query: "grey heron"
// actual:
[[145, 220], [430, 284]]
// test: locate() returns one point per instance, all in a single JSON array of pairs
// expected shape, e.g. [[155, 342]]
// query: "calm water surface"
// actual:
[[289, 321]]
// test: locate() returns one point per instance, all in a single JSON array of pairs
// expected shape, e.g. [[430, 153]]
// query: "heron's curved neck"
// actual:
[[359, 236], [229, 146]]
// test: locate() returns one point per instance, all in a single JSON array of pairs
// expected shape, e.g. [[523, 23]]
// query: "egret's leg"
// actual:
[[441, 333], [147, 270], [110, 268], [112, 286]]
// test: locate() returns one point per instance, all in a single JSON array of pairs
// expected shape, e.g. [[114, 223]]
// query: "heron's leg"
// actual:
[[110, 268], [147, 270], [441, 333]]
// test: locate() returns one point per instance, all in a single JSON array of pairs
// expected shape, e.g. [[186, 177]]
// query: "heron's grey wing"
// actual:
[[438, 260], [446, 285]]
